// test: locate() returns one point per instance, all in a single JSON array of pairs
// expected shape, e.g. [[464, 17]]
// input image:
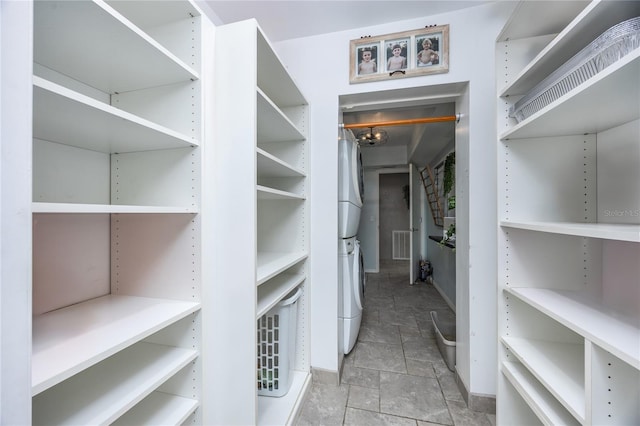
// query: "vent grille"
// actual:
[[401, 245]]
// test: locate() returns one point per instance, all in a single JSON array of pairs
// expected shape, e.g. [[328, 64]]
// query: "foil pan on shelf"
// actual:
[[609, 47]]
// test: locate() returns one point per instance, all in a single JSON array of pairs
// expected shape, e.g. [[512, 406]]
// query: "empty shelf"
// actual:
[[588, 317], [69, 340], [608, 231], [265, 193], [104, 392], [543, 404], [159, 408], [271, 166], [105, 208], [558, 366], [273, 77], [271, 264], [67, 117], [273, 125], [110, 64]]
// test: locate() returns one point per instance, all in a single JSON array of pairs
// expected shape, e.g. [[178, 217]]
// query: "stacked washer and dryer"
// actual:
[[351, 263]]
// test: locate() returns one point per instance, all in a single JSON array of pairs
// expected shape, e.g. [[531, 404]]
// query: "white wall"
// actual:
[[384, 156], [320, 64], [443, 258]]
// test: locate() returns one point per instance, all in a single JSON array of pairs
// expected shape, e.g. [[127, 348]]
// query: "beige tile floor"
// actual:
[[395, 374]]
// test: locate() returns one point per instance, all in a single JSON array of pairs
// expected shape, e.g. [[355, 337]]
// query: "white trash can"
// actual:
[[277, 346]]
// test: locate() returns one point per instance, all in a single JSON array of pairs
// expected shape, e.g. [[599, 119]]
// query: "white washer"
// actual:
[[350, 184], [352, 287]]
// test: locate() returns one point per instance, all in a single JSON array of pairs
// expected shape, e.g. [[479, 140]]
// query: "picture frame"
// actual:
[[399, 55]]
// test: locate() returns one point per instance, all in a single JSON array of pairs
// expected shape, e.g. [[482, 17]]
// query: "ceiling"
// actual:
[[282, 20], [432, 138], [404, 104], [401, 104]]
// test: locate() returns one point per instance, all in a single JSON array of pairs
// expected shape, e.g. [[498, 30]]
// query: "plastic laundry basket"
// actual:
[[277, 346]]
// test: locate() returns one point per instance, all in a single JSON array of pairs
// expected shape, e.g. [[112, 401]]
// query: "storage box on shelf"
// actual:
[[116, 223], [263, 234], [569, 238]]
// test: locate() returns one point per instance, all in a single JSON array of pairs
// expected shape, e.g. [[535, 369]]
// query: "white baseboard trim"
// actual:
[[476, 402], [328, 377], [444, 296]]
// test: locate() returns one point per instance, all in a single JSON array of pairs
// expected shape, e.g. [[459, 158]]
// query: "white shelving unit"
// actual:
[[569, 237], [117, 146], [103, 393], [262, 234]]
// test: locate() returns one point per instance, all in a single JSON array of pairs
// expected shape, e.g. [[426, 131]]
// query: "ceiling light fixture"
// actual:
[[372, 137]]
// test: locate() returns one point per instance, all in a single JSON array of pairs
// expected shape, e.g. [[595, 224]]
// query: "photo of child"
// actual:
[[427, 49], [397, 55], [367, 60]]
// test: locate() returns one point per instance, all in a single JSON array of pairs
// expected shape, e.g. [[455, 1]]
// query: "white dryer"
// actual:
[[351, 184], [352, 287]]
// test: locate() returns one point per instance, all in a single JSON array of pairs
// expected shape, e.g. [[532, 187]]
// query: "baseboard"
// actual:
[[328, 377], [476, 402], [295, 414], [444, 296]]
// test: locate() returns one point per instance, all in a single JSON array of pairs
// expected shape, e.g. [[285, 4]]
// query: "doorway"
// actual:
[[374, 223], [410, 148], [394, 210]]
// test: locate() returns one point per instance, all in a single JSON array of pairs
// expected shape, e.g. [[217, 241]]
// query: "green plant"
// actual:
[[449, 173], [451, 231], [449, 235]]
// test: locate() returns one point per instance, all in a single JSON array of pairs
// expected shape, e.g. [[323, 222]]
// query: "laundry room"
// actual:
[[319, 212], [458, 95]]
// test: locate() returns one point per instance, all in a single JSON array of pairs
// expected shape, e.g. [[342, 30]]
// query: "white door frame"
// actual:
[[416, 220]]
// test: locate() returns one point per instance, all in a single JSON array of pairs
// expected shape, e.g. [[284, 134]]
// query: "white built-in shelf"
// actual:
[[270, 264], [159, 408], [274, 79], [164, 12], [608, 99], [584, 367], [103, 393], [259, 103], [273, 124], [39, 207], [279, 411], [530, 20], [271, 166], [558, 366], [266, 193], [589, 317], [68, 117], [274, 290], [69, 340], [591, 22], [609, 231], [542, 403], [110, 64]]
